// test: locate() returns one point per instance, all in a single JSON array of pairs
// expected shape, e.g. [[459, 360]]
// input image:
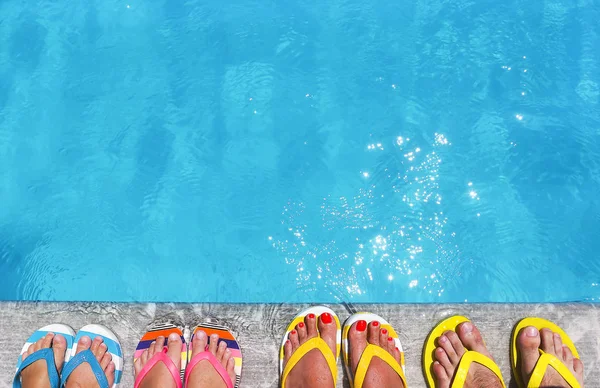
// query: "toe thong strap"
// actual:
[[365, 361], [46, 354], [465, 363], [311, 344], [160, 357], [542, 365], [208, 356], [81, 358]]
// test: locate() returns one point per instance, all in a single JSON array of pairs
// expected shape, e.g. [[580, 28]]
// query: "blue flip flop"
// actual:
[[114, 348], [45, 354]]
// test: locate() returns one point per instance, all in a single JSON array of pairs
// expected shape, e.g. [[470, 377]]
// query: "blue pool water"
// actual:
[[252, 151]]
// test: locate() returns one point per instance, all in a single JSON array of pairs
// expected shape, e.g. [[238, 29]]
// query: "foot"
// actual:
[[451, 347], [36, 374], [312, 370], [379, 374], [204, 374], [82, 376], [528, 343], [159, 376]]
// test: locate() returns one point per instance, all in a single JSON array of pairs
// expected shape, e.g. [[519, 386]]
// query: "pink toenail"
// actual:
[[531, 332], [467, 327], [173, 337], [443, 339]]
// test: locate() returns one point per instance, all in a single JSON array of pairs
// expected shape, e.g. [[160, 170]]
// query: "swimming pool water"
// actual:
[[251, 151]]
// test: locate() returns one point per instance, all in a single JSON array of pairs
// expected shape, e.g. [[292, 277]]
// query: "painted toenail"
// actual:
[[384, 331], [361, 325], [467, 327], [326, 318], [443, 339], [301, 325], [287, 342], [531, 332], [390, 339], [173, 337], [311, 316], [375, 323], [293, 332]]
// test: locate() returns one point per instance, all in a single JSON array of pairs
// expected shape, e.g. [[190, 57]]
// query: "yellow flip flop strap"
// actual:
[[465, 363], [539, 371], [365, 360], [311, 344]]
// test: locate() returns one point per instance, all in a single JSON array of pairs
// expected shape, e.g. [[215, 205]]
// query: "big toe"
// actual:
[[471, 338], [174, 346], [59, 347], [328, 331], [528, 343], [199, 342], [357, 341]]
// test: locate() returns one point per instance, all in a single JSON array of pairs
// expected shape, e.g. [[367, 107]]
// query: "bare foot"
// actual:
[[204, 374], [159, 376], [451, 347], [36, 374], [82, 376], [312, 370], [379, 374], [529, 342]]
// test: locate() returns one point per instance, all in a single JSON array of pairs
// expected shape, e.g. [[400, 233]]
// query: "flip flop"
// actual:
[[470, 356], [155, 331], [546, 359], [114, 348], [371, 350], [313, 343], [224, 335], [45, 354]]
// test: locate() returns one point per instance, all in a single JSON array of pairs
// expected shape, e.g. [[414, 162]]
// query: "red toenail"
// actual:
[[326, 318], [301, 325], [293, 332], [384, 331], [375, 323], [397, 348], [361, 325], [390, 339], [311, 316]]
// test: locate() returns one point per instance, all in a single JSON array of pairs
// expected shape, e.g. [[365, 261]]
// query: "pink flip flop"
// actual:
[[154, 332], [232, 344]]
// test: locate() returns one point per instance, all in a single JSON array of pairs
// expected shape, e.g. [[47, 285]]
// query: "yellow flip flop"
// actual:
[[460, 376], [371, 350], [545, 359], [311, 344]]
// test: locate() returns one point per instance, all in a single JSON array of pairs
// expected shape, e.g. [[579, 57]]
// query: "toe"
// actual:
[[311, 325], [301, 329], [110, 373], [151, 349], [174, 347], [47, 340], [528, 343], [59, 347], [383, 336], [144, 357], [357, 340], [105, 360], [442, 357], [221, 349], [83, 344], [457, 344], [199, 342], [441, 377], [397, 355], [213, 344], [373, 333], [446, 345], [471, 338], [38, 344], [293, 337], [547, 341], [558, 346], [96, 345], [230, 366], [159, 345], [578, 368], [567, 356], [390, 345], [328, 331], [287, 350], [102, 350]]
